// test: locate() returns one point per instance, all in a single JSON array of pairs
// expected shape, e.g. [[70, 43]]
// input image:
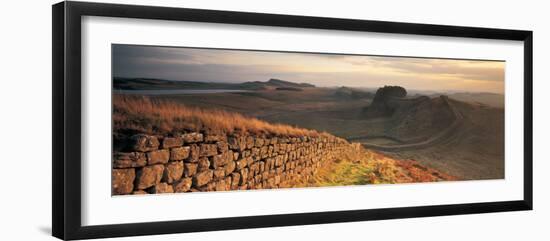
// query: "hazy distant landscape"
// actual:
[[448, 125]]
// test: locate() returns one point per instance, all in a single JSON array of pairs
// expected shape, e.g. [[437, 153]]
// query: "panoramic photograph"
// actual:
[[188, 119]]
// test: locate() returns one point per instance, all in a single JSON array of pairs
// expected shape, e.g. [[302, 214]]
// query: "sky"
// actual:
[[324, 70]]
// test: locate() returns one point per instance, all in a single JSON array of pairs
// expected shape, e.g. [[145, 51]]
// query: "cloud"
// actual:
[[320, 69], [466, 69]]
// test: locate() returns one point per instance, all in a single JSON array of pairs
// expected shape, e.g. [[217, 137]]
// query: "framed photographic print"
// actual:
[[169, 120]]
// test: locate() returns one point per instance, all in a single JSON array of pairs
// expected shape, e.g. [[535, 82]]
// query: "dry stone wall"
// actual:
[[195, 162]]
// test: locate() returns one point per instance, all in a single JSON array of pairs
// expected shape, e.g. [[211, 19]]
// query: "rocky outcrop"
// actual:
[[195, 162], [382, 104]]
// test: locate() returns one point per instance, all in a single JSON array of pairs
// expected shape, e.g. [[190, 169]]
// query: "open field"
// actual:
[[143, 115], [316, 108]]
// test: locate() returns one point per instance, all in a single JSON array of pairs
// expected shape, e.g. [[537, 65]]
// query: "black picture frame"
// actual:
[[66, 158]]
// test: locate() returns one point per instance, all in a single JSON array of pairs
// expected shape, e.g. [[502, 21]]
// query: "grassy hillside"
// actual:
[[142, 114], [368, 167], [475, 152]]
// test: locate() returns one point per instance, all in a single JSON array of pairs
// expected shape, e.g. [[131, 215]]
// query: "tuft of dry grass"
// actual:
[[145, 115]]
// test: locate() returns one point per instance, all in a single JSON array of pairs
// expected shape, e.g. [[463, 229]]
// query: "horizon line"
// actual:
[[315, 86]]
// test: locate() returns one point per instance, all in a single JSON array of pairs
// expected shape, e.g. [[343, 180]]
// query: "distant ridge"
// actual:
[[158, 84], [283, 83], [352, 93]]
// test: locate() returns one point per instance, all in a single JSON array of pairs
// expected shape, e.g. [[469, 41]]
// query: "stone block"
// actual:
[[220, 185], [190, 169], [263, 151], [258, 178], [179, 153], [227, 183], [258, 142], [219, 173], [173, 171], [183, 185], [249, 142], [143, 143], [203, 164], [202, 178], [158, 156], [222, 159], [208, 150], [278, 161], [230, 167], [237, 143], [192, 137], [194, 154], [254, 168], [129, 159], [215, 137], [235, 179], [277, 179], [244, 176], [255, 152], [265, 175], [170, 142], [139, 192], [161, 188], [209, 187], [149, 176], [242, 163], [270, 183], [122, 181], [222, 146]]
